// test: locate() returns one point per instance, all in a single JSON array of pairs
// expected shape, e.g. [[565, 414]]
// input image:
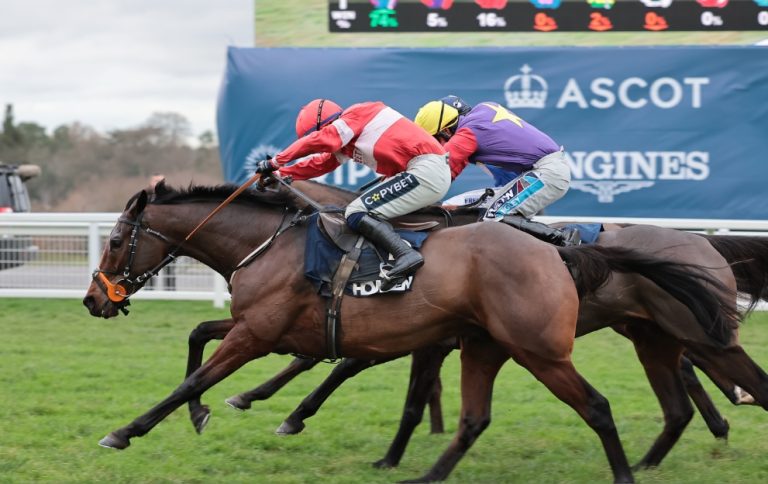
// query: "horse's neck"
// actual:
[[225, 240]]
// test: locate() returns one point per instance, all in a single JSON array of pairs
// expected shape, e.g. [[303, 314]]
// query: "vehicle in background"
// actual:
[[14, 198]]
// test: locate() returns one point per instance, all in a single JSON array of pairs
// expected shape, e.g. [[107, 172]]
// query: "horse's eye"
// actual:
[[114, 244]]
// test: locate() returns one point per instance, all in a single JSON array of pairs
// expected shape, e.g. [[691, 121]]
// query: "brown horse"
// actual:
[[525, 306], [677, 410]]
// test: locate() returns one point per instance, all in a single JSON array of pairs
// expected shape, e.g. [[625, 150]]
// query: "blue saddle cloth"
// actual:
[[588, 232], [322, 257]]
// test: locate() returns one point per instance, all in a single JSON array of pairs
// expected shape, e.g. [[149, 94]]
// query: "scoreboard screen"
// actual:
[[546, 15]]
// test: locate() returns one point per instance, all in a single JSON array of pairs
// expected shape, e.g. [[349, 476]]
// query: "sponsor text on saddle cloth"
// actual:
[[322, 257], [511, 196]]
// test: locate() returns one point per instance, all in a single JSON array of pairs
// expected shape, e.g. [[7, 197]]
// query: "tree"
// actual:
[[11, 137]]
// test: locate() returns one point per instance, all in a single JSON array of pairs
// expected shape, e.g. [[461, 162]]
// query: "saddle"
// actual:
[[339, 260]]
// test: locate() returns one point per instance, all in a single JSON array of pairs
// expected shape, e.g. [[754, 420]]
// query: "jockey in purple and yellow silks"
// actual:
[[491, 135]]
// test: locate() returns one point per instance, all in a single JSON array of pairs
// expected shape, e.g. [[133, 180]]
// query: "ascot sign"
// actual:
[[528, 90]]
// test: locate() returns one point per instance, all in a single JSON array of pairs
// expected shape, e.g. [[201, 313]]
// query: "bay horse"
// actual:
[[525, 306], [681, 246]]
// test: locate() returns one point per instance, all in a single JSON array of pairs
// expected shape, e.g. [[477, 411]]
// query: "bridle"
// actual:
[[119, 292]]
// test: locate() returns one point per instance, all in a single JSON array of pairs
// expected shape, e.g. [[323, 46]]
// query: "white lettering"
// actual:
[[356, 172], [638, 165], [620, 158], [696, 83], [633, 93], [697, 165], [599, 88], [672, 163], [572, 93], [677, 93], [624, 92], [576, 163], [597, 165]]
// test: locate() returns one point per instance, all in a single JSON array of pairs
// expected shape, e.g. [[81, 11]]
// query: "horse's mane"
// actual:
[[165, 195]]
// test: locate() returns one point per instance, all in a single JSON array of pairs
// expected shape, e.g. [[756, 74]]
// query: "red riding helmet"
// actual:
[[315, 115]]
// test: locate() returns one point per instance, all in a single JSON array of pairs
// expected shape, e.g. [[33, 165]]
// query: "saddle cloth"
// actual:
[[322, 257]]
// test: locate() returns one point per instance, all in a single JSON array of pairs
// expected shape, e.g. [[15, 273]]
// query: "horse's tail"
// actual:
[[710, 301], [748, 256]]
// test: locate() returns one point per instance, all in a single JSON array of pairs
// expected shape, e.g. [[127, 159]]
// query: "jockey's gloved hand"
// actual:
[[266, 166]]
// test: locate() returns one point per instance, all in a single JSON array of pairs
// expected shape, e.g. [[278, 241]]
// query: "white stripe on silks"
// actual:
[[371, 134], [345, 132]]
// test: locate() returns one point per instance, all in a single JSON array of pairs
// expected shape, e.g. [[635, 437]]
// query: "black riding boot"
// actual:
[[563, 238], [407, 260]]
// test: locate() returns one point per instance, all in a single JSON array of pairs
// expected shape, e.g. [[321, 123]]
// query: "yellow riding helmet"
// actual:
[[435, 116]]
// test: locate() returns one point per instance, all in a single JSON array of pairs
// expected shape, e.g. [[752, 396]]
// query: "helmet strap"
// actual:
[[440, 118], [319, 114]]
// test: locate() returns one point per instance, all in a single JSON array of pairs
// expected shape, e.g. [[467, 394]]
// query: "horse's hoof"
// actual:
[[721, 432], [238, 403], [200, 418], [288, 428], [742, 397], [114, 441], [383, 464]]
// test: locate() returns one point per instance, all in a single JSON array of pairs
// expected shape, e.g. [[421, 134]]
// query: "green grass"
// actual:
[[69, 379], [302, 23]]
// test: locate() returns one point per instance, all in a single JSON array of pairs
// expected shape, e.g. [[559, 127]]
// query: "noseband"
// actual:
[[119, 292]]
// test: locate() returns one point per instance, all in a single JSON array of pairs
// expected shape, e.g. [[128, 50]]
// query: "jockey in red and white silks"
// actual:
[[379, 137]]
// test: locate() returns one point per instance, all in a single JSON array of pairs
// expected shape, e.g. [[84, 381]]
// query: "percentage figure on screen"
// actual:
[[490, 19], [435, 20]]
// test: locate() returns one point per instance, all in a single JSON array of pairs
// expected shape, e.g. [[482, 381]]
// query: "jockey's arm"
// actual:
[[460, 147], [311, 167], [326, 141]]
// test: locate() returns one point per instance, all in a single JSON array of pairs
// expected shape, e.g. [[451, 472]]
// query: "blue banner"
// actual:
[[679, 132]]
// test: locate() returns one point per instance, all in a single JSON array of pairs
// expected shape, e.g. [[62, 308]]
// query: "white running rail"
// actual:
[[52, 254]]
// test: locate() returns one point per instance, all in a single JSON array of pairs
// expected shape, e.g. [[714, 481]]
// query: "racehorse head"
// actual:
[[123, 269], [153, 230]]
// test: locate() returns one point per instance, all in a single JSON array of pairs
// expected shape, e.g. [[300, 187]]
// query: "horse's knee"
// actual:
[[197, 336], [600, 417], [412, 417], [472, 426], [680, 419]]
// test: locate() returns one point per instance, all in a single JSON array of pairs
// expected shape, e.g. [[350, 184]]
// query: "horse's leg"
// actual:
[[425, 375], [202, 334], [264, 391], [436, 408], [733, 364], [562, 379], [660, 357], [481, 360], [348, 368], [722, 382], [716, 423], [237, 349]]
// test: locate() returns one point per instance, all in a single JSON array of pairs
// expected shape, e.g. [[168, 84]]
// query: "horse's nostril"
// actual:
[[88, 301]]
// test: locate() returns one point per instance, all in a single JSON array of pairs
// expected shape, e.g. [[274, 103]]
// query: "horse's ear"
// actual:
[[140, 205], [160, 188]]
